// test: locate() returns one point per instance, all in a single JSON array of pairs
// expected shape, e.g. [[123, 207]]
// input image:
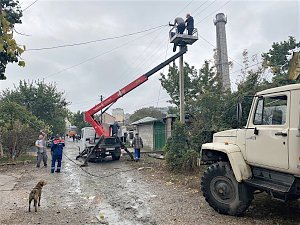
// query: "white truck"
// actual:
[[264, 155]]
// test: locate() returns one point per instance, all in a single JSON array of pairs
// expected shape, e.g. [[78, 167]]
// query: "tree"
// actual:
[[275, 59], [195, 83], [173, 110], [77, 119], [141, 113], [179, 155], [43, 100], [170, 82], [10, 52], [18, 128]]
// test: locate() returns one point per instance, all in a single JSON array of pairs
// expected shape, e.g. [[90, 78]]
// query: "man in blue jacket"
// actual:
[[56, 151]]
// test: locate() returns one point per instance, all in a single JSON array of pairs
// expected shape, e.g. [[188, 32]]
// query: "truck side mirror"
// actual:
[[256, 131]]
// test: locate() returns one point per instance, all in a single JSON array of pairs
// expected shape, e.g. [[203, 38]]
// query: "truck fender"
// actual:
[[241, 169]]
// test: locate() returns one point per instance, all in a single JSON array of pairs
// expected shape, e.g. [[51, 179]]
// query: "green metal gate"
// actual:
[[159, 135]]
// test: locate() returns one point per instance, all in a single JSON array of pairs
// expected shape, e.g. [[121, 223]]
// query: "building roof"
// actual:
[[144, 120]]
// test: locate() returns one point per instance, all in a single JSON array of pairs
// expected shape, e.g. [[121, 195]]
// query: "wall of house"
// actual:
[[146, 133], [108, 119]]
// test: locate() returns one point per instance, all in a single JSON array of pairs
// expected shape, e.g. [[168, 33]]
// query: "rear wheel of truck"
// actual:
[[222, 191], [116, 154]]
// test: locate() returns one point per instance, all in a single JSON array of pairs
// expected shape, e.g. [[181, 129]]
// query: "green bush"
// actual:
[[189, 161], [179, 156]]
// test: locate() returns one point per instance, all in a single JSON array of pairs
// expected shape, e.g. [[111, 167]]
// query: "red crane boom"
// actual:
[[89, 115]]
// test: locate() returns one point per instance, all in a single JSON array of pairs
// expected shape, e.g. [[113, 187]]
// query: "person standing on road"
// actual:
[[189, 24], [56, 152], [40, 144], [137, 144]]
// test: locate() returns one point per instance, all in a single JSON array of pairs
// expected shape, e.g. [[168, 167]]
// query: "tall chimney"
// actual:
[[222, 56]]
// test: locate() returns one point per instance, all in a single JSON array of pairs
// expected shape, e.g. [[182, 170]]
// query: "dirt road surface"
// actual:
[[119, 193]]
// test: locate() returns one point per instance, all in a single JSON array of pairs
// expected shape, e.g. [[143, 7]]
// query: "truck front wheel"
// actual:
[[222, 192]]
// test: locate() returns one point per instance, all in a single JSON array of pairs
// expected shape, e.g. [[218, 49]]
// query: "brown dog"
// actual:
[[36, 194]]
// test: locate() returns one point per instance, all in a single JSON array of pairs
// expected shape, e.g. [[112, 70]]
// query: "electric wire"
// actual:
[[23, 34], [205, 8], [162, 72], [184, 8], [213, 12], [215, 47], [94, 175], [195, 10], [92, 58], [140, 59], [30, 5], [94, 41]]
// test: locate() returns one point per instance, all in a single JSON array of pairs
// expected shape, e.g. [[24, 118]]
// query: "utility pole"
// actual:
[[181, 89]]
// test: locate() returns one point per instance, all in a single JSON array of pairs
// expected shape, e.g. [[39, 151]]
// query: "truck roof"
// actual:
[[279, 89]]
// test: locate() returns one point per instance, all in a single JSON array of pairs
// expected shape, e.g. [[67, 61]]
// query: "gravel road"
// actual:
[[120, 193]]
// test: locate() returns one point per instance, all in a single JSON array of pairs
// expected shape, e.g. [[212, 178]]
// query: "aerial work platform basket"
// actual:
[[182, 39]]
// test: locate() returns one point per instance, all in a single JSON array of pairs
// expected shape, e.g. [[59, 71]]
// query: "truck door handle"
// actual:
[[281, 134]]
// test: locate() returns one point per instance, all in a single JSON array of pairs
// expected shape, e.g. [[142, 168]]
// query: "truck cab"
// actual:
[[264, 155]]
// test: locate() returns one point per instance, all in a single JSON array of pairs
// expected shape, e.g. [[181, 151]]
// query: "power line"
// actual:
[[97, 40], [223, 53], [206, 7], [23, 34], [139, 60], [214, 11], [30, 5], [247, 67], [199, 7], [92, 58], [184, 8], [163, 72], [146, 104]]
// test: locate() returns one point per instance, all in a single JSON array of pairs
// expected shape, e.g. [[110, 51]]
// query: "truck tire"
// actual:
[[116, 155], [222, 191]]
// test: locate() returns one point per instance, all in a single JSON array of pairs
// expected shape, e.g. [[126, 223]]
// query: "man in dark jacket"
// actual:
[[180, 26], [56, 151], [189, 24], [137, 144]]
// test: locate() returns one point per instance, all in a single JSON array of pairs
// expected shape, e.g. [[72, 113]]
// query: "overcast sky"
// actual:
[[87, 71]]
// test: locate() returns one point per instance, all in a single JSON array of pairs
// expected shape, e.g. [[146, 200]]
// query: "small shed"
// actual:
[[152, 131]]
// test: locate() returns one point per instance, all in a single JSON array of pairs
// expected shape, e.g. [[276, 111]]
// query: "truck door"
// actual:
[[268, 131]]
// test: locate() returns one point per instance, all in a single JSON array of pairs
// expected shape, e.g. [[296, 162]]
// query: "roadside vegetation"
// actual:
[[26, 110]]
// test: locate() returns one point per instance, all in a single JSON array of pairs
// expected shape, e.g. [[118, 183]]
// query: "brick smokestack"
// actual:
[[222, 56]]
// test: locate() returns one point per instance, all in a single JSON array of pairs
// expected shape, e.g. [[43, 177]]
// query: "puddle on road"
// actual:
[[105, 212]]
